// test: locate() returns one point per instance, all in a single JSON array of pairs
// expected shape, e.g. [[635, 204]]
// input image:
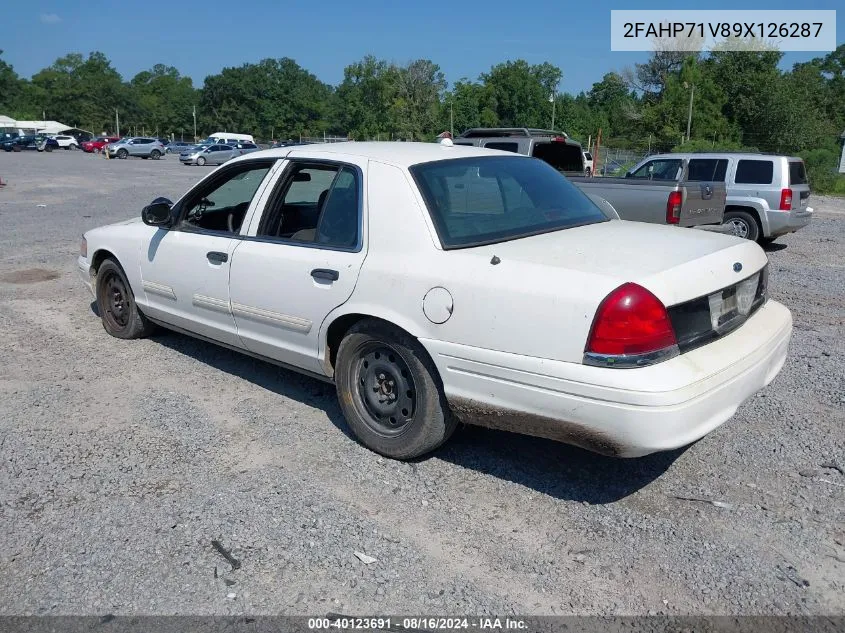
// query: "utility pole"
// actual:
[[553, 100], [649, 144], [195, 123], [116, 123], [451, 119], [689, 116], [596, 155]]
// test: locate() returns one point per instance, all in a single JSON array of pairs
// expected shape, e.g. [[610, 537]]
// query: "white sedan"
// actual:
[[436, 284]]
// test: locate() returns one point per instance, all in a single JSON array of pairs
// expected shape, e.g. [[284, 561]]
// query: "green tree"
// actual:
[[364, 98], [163, 100], [520, 92], [415, 110]]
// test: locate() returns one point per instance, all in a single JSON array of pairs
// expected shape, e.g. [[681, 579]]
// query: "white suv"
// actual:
[[66, 141]]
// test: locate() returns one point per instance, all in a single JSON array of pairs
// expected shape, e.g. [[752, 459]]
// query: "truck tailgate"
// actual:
[[703, 203]]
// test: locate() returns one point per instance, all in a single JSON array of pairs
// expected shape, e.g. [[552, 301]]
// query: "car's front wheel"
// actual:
[[201, 161], [390, 391], [116, 304], [122, 154]]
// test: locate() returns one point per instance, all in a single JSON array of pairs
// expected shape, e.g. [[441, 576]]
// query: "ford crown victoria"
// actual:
[[435, 284]]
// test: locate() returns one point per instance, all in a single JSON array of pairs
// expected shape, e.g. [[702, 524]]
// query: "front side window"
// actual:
[[707, 169], [661, 169], [484, 200], [221, 205], [316, 203]]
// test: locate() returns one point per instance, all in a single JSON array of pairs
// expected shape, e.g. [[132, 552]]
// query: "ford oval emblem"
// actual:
[[737, 267]]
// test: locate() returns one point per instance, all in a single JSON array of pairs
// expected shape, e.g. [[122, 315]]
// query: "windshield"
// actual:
[[483, 200]]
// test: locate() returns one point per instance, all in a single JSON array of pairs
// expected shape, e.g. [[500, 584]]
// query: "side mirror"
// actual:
[[157, 213]]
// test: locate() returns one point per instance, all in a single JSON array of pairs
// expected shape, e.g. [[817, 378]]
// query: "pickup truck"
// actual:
[[767, 195], [680, 202]]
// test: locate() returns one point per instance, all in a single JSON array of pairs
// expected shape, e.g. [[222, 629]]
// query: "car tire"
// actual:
[[48, 148], [116, 304], [201, 161], [744, 224], [73, 146], [122, 154], [390, 392], [155, 154]]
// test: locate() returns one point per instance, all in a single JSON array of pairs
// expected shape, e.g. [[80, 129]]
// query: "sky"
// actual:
[[465, 37]]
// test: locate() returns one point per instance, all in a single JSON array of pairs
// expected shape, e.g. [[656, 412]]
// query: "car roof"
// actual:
[[395, 153], [720, 155]]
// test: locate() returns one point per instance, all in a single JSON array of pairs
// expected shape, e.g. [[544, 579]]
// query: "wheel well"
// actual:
[[750, 210], [338, 329], [99, 257]]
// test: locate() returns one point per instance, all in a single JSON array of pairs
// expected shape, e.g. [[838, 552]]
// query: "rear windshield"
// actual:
[[489, 199], [754, 172], [797, 174], [561, 156]]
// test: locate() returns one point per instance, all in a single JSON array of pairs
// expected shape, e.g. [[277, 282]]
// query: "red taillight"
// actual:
[[673, 207], [559, 139], [630, 320], [785, 199]]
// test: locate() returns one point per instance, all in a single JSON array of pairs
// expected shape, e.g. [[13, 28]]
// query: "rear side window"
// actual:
[[561, 156], [588, 156], [707, 169], [754, 172], [797, 174], [505, 147]]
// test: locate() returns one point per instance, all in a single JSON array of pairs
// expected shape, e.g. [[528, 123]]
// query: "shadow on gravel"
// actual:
[[559, 470], [774, 247], [264, 374]]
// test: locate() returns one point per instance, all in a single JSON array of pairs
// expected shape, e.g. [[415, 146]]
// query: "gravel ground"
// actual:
[[121, 461]]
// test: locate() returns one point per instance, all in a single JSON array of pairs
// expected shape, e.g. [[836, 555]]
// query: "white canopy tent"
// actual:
[[8, 124]]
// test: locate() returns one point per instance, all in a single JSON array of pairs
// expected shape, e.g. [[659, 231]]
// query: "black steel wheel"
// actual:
[[390, 391], [386, 392], [116, 304]]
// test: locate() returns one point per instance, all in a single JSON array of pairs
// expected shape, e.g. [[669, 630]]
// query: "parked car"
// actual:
[[468, 285], [246, 148], [556, 148], [46, 143], [29, 141], [66, 141], [767, 196], [680, 192], [208, 154], [588, 164], [98, 143], [177, 147], [141, 146]]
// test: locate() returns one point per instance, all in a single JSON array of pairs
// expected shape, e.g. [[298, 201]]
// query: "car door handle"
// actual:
[[216, 257], [325, 274]]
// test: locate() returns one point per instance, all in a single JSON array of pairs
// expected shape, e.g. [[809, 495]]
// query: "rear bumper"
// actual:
[[783, 222], [623, 412]]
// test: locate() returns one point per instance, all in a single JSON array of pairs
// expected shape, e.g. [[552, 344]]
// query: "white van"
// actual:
[[229, 138]]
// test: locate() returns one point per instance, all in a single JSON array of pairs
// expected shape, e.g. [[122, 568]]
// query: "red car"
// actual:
[[97, 144]]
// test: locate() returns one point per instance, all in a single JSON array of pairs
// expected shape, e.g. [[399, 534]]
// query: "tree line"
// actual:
[[740, 100]]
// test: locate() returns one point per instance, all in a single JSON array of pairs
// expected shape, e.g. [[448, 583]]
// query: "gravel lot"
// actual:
[[121, 461]]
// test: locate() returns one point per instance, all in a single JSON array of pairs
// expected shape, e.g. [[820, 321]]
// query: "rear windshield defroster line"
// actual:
[[489, 199]]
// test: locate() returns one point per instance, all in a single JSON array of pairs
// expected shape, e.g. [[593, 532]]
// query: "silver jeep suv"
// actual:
[[136, 146], [767, 195]]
